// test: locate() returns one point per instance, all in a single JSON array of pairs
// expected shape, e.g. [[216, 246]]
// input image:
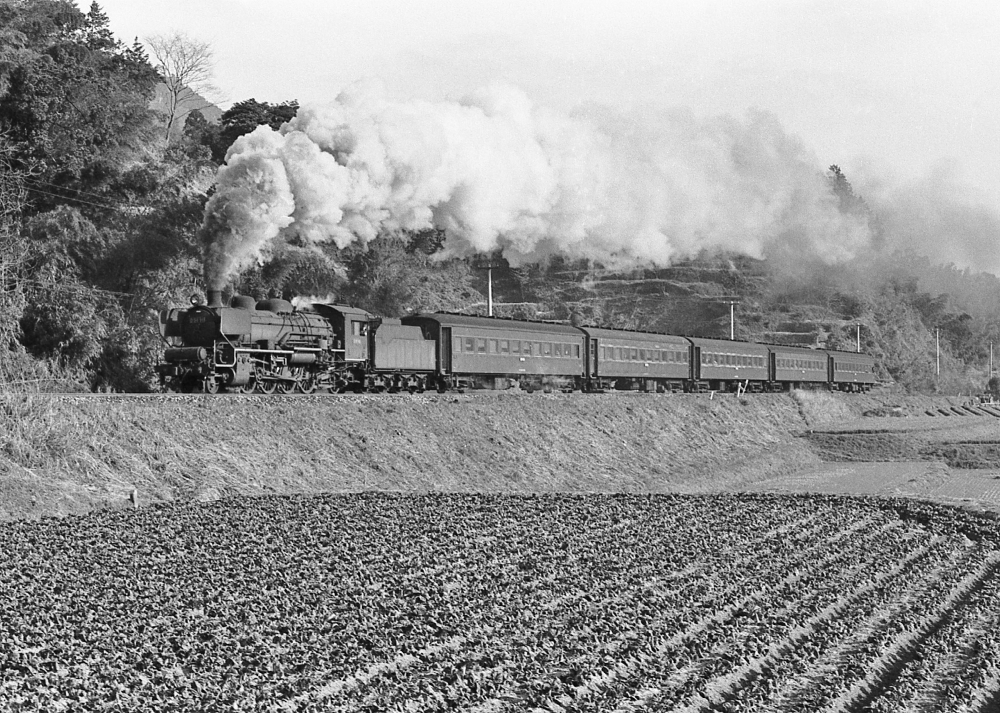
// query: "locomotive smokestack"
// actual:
[[215, 298]]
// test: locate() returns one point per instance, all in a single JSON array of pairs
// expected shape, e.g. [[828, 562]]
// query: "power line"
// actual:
[[70, 198], [64, 188]]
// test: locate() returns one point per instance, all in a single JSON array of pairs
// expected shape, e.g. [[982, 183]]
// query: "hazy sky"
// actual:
[[904, 84], [894, 92]]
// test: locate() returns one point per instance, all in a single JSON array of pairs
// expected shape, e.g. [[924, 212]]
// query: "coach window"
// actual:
[[481, 346], [515, 346], [557, 350], [458, 345], [494, 349], [576, 351], [546, 349], [505, 346], [470, 344]]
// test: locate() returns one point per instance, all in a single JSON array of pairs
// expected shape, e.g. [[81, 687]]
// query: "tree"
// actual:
[[185, 66], [13, 255], [849, 202], [245, 116], [73, 101]]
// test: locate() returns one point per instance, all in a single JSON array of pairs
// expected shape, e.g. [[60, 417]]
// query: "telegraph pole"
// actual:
[[732, 318], [488, 263]]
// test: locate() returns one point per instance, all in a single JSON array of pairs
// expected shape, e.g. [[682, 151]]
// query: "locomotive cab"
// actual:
[[350, 328]]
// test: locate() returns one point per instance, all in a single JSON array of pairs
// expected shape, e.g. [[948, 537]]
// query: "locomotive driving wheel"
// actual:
[[267, 387], [307, 385]]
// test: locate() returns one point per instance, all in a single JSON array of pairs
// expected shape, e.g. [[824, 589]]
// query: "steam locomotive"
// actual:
[[268, 346]]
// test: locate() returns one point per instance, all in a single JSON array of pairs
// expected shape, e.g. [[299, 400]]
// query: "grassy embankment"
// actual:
[[63, 454]]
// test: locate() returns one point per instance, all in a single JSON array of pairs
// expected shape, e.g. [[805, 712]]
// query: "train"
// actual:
[[270, 346]]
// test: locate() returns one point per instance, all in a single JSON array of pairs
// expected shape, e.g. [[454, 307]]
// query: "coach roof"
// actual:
[[464, 320], [602, 333]]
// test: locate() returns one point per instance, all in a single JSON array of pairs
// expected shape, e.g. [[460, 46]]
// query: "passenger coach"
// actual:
[[798, 367], [646, 361], [725, 365], [489, 352], [850, 371]]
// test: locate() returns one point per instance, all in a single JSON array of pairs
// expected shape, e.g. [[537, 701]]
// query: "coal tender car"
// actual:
[[270, 346]]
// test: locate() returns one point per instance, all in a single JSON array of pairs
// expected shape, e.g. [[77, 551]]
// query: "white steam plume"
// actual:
[[496, 172], [936, 215]]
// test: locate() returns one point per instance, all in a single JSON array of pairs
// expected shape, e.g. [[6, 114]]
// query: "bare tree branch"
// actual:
[[186, 66]]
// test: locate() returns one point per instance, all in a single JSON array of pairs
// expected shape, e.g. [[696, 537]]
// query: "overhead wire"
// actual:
[[71, 198], [36, 181]]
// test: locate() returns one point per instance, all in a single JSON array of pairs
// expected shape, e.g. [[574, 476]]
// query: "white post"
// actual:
[[732, 320], [489, 291], [991, 359], [937, 340], [859, 339]]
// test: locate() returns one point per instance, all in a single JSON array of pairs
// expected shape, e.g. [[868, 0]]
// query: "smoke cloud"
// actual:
[[496, 172], [937, 216]]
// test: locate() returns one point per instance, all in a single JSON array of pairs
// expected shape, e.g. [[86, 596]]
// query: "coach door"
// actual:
[[444, 350], [592, 360]]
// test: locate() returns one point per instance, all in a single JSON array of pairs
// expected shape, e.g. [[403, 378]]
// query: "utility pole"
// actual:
[[937, 340], [732, 317], [488, 263], [859, 339]]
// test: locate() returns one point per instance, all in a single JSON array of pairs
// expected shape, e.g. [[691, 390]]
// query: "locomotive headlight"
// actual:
[[196, 300]]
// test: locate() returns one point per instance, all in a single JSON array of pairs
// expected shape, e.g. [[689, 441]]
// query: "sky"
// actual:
[[900, 94]]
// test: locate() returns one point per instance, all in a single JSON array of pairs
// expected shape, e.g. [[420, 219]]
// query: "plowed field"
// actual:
[[378, 602]]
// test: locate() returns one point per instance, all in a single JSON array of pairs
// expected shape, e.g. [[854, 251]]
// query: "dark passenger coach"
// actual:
[[485, 352]]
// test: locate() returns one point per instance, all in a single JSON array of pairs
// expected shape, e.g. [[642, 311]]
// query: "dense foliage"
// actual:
[[99, 217], [497, 603]]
